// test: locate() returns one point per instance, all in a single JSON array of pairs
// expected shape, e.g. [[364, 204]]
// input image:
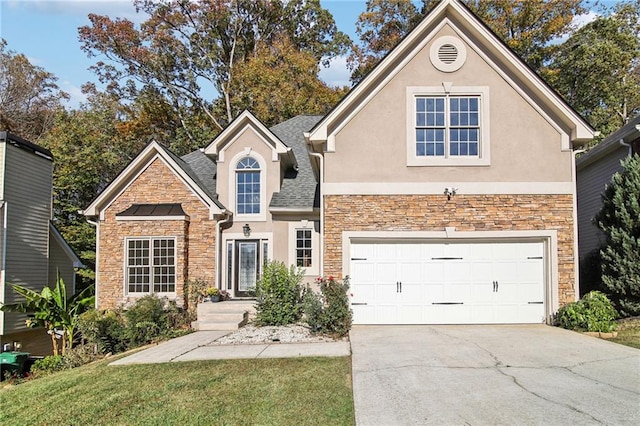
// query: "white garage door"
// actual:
[[456, 283]]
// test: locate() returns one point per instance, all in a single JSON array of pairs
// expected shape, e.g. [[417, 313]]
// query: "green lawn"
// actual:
[[628, 332], [300, 391]]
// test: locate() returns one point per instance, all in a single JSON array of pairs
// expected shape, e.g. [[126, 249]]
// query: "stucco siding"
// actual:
[[27, 194], [524, 146], [591, 182]]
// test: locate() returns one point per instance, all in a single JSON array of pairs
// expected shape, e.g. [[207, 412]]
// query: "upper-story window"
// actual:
[[247, 186], [448, 126]]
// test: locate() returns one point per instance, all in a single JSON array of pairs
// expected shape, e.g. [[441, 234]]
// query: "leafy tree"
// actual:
[[29, 96], [52, 310], [91, 145], [618, 219], [598, 68], [280, 82], [188, 51], [380, 27], [526, 26]]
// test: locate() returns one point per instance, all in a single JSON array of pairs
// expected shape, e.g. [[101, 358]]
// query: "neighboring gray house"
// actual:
[[594, 171], [31, 249]]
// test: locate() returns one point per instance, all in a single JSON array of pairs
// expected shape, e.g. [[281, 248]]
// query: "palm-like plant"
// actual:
[[52, 310]]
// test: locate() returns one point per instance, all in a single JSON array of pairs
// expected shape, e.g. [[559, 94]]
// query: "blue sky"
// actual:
[[46, 31]]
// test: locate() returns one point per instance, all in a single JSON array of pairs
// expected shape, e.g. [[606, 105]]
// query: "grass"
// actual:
[[299, 391], [628, 332]]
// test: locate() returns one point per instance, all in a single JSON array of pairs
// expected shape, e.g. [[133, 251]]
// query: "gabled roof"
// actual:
[[237, 127], [496, 53], [180, 167], [628, 133], [53, 231], [299, 187]]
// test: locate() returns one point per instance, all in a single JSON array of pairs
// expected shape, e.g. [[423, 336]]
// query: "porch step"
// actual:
[[229, 315]]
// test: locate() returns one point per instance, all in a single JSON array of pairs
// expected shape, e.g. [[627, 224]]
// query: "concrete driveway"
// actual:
[[488, 375]]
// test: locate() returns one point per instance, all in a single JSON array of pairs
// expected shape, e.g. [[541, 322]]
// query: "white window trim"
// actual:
[[314, 269], [483, 159], [126, 266], [259, 217]]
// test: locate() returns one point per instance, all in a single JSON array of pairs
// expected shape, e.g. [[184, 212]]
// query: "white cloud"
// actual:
[[76, 97], [337, 75], [578, 22]]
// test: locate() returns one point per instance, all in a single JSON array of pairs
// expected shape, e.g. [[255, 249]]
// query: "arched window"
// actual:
[[247, 186]]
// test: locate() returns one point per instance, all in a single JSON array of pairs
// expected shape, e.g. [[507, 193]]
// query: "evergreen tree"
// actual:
[[618, 219]]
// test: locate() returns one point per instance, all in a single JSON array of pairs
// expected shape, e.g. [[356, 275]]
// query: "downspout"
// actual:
[[218, 277], [627, 145], [3, 206], [576, 254], [320, 158], [95, 281]]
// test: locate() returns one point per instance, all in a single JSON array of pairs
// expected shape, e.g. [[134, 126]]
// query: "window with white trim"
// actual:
[[303, 248], [151, 265], [247, 186], [448, 126]]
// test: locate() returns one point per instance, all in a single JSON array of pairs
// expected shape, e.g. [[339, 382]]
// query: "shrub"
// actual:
[[336, 316], [104, 330], [594, 312], [193, 291], [618, 219], [146, 320], [278, 295], [312, 309], [48, 365], [328, 312]]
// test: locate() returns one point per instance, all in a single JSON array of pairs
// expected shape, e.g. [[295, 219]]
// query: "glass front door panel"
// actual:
[[247, 265]]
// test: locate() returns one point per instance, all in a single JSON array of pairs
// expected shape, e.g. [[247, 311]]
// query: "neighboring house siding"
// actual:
[[195, 237], [591, 182], [59, 263], [464, 212], [27, 192]]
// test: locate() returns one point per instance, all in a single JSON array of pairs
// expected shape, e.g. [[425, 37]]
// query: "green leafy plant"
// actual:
[[212, 291], [618, 219], [279, 295], [48, 365], [52, 310], [328, 312], [594, 312], [193, 292], [104, 330]]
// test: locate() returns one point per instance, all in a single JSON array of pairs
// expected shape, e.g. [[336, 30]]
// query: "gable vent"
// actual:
[[448, 53]]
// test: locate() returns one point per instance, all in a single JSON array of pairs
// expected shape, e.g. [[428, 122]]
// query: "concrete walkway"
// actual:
[[492, 375], [200, 346]]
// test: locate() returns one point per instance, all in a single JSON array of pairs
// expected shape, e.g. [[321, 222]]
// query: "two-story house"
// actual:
[[32, 251], [443, 185]]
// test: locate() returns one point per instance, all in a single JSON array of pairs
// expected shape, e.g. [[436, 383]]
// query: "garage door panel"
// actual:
[[454, 283]]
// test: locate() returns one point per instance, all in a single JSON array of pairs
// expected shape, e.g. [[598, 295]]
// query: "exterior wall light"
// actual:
[[450, 192], [246, 230]]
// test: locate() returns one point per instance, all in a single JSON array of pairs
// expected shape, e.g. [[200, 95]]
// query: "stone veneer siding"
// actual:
[[195, 236], [464, 212]]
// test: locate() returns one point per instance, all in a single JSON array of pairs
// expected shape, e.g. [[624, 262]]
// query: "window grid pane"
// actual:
[[303, 248], [248, 187], [151, 260], [447, 126], [464, 128], [430, 126]]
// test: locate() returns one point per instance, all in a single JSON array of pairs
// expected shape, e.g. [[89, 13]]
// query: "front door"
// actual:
[[247, 271]]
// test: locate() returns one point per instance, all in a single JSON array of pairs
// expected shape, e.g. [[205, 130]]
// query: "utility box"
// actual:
[[13, 361]]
